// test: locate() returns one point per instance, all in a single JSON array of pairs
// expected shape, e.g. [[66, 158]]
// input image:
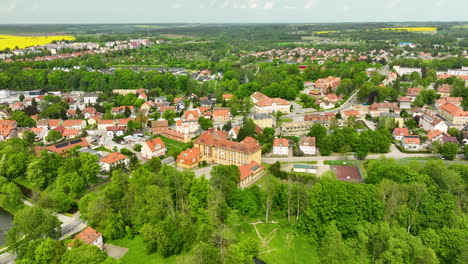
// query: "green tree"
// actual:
[[326, 145], [22, 119], [318, 131], [32, 223], [449, 150], [246, 130], [86, 254], [29, 137], [205, 123], [89, 167], [332, 247], [53, 136]]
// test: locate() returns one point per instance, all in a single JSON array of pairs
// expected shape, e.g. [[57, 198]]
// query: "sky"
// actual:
[[228, 11]]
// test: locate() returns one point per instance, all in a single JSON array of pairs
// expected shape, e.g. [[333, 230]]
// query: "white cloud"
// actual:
[[392, 4], [311, 3], [177, 6], [268, 5], [290, 7], [8, 7]]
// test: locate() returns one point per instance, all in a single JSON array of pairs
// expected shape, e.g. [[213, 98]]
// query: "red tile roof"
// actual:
[[88, 236], [63, 147], [189, 156], [280, 142], [113, 157], [250, 169], [412, 140], [218, 139], [155, 144], [401, 131]]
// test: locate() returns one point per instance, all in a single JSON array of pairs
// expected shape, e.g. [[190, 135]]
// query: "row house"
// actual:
[[49, 123], [153, 148], [216, 148], [63, 147], [350, 113]]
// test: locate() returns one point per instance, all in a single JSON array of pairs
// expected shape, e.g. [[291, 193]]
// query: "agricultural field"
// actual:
[[8, 41], [410, 29], [325, 32]]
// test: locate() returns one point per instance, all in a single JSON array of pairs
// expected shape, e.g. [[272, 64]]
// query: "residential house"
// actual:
[[227, 97], [221, 115], [350, 113], [187, 127], [327, 105], [412, 93], [307, 145], [412, 143], [16, 106], [115, 131], [93, 120], [188, 158], [434, 135], [103, 124], [63, 147], [122, 109], [449, 139], [74, 124], [264, 120], [143, 96], [280, 147], [113, 160], [405, 102], [430, 122], [40, 132], [190, 115], [8, 132], [89, 236], [4, 114], [272, 105], [453, 114], [399, 133], [250, 173], [153, 148], [179, 106], [70, 133], [444, 90], [216, 148], [376, 108], [331, 97], [159, 126], [90, 98], [234, 132], [88, 112]]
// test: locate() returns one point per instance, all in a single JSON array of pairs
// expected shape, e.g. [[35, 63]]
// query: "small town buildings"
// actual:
[[399, 133], [250, 173], [8, 132], [327, 105], [176, 136], [189, 158], [221, 115], [103, 124], [187, 127], [63, 147], [447, 139], [430, 122], [153, 148], [227, 97], [444, 90], [89, 236], [90, 98], [280, 147], [216, 148], [296, 126], [326, 84], [411, 143], [191, 115], [412, 93], [115, 131], [405, 102], [305, 168], [453, 114], [258, 96], [307, 145], [122, 109], [456, 101], [88, 112], [376, 109], [406, 70], [264, 120], [74, 124], [70, 133], [434, 135], [350, 113], [113, 160], [159, 126], [271, 105]]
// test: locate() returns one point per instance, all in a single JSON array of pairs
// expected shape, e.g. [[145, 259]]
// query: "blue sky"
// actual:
[[216, 11]]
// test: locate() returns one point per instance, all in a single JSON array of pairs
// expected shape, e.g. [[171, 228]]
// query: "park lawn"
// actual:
[[285, 245], [137, 252], [170, 143]]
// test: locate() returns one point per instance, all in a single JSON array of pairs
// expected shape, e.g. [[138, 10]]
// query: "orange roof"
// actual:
[[227, 96], [159, 123], [106, 122], [434, 133], [124, 121], [174, 134], [113, 157], [8, 123], [88, 236], [70, 123], [280, 142], [412, 140], [445, 88], [5, 130], [203, 109], [401, 131], [404, 99], [191, 112], [259, 96], [155, 144], [218, 139], [249, 169], [189, 156], [351, 113], [63, 147], [70, 132], [271, 101], [221, 112], [453, 110], [54, 122]]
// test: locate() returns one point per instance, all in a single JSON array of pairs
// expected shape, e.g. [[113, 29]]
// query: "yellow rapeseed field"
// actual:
[[324, 32], [410, 29], [11, 42]]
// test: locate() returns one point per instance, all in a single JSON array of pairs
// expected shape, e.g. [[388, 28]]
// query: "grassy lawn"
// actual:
[[423, 160], [170, 143], [137, 252]]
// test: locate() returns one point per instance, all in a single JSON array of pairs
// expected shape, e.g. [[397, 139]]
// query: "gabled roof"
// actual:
[[307, 141], [155, 144], [401, 131], [189, 156], [250, 169], [280, 142], [63, 147], [87, 236], [113, 157], [412, 140]]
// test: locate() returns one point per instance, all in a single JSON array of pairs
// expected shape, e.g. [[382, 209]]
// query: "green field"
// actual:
[[170, 143]]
